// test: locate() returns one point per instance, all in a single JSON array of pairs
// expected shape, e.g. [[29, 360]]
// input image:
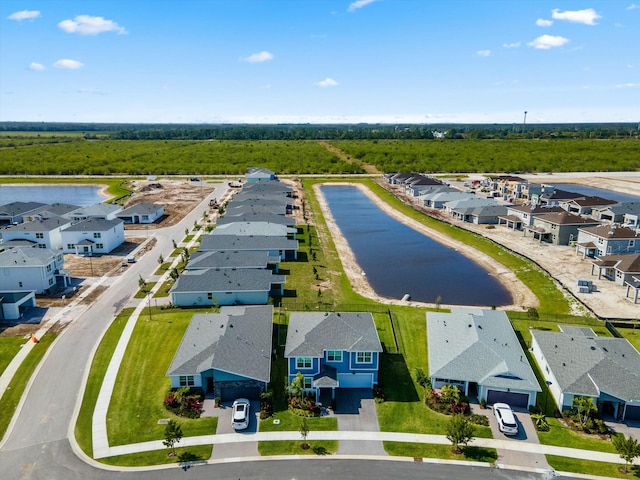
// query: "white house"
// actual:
[[93, 236], [141, 213], [99, 211], [12, 304], [28, 269], [45, 233]]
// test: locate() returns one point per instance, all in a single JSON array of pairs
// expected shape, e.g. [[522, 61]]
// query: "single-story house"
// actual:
[[227, 353], [257, 217], [12, 304], [577, 362], [268, 188], [332, 350], [98, 211], [255, 229], [559, 228], [483, 214], [141, 213], [15, 212], [478, 351], [285, 248], [225, 286], [49, 211], [232, 259], [255, 208], [621, 269], [607, 240], [260, 175], [26, 269], [46, 233], [93, 236], [438, 199]]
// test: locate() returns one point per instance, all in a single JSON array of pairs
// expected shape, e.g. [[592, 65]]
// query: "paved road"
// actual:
[[56, 460]]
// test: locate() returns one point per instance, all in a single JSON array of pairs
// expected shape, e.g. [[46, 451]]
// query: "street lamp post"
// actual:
[[547, 396]]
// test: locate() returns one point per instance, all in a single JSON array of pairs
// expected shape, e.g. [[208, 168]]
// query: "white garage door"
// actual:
[[355, 380]]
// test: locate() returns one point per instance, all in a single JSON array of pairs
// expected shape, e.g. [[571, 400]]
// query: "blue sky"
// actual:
[[320, 61]]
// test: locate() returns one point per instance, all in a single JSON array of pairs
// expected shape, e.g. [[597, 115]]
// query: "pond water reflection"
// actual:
[[398, 260], [81, 195]]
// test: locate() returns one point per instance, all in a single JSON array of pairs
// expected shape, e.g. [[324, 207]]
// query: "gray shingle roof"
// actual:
[[96, 210], [93, 225], [26, 256], [226, 280], [586, 365], [237, 340], [311, 333], [256, 208], [235, 242], [45, 225], [254, 228], [142, 208], [19, 208], [256, 217], [478, 346], [230, 259]]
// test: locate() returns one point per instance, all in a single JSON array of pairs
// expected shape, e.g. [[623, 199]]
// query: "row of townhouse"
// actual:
[[229, 353]]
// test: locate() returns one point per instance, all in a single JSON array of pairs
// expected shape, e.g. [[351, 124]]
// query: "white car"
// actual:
[[506, 421], [240, 415]]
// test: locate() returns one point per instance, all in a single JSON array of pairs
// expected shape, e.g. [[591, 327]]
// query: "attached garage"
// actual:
[[632, 412], [355, 380], [515, 400], [229, 394]]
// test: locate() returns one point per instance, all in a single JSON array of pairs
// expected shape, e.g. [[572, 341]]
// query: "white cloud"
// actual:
[[327, 82], [541, 22], [38, 67], [359, 4], [483, 53], [511, 45], [88, 25], [258, 57], [628, 85], [545, 42], [24, 15], [633, 6], [587, 16], [68, 64]]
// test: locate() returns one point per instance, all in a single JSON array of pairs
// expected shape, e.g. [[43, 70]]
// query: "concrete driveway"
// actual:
[[356, 411], [232, 450], [526, 433]]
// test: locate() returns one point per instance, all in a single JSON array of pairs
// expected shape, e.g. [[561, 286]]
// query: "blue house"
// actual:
[[332, 350]]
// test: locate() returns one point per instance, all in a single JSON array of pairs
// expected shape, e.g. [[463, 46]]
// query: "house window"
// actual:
[[186, 381], [48, 268], [97, 235], [303, 362], [334, 355], [99, 246], [145, 217], [632, 243], [39, 235], [364, 357], [308, 382], [210, 296], [20, 284], [70, 246], [50, 281], [42, 245]]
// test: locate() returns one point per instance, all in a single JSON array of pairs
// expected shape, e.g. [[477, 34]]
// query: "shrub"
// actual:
[[184, 402], [378, 394]]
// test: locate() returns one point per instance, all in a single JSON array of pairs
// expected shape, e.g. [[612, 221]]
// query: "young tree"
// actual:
[[585, 406], [296, 389], [174, 274], [175, 245], [172, 435], [304, 431], [459, 431], [628, 448], [450, 394], [142, 283], [160, 259]]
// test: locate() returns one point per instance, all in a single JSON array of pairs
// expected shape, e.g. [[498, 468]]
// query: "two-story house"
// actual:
[[602, 240], [93, 236], [45, 233], [26, 269], [333, 350]]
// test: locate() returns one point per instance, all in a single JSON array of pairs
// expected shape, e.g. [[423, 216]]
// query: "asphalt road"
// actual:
[[37, 446]]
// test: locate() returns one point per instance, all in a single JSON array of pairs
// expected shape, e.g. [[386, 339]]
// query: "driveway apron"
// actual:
[[356, 411]]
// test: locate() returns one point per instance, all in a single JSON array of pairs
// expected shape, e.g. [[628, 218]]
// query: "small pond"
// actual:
[[398, 260], [81, 195]]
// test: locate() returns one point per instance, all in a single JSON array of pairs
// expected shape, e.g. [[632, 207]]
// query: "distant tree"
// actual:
[[172, 435], [160, 259], [628, 448], [175, 245], [142, 283], [459, 431]]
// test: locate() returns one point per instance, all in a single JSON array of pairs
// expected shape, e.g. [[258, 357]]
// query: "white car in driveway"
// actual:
[[506, 421], [240, 414]]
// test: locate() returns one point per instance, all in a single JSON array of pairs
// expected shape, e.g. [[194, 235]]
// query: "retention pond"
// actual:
[[398, 260]]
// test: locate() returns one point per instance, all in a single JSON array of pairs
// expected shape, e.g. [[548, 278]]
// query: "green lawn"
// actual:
[[99, 366], [425, 450], [9, 347], [143, 292], [161, 457], [562, 436], [163, 291], [137, 401], [11, 397], [294, 447], [600, 469], [631, 334]]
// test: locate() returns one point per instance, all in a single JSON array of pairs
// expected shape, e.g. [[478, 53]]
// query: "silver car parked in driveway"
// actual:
[[240, 416], [507, 423]]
